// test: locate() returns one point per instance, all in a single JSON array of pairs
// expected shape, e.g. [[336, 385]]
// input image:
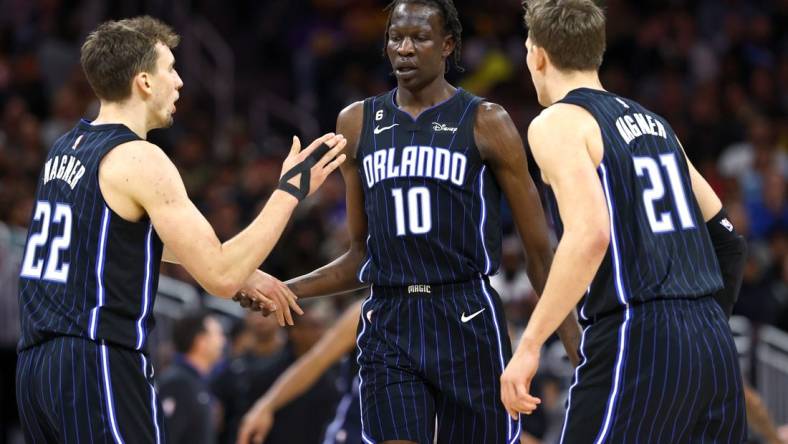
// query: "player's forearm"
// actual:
[[575, 263], [339, 276], [538, 269], [237, 258]]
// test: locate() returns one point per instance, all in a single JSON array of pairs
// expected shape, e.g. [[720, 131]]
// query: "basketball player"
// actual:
[[109, 206], [427, 163], [659, 362]]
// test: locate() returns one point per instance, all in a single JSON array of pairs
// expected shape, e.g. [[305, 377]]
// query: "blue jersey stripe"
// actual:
[[623, 330], [94, 314], [153, 401], [358, 360], [146, 289], [108, 393], [482, 219]]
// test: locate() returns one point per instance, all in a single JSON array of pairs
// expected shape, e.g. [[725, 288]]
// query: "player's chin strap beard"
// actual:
[[304, 168]]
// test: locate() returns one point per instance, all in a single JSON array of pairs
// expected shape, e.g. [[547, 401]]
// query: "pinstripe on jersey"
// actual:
[[432, 206], [86, 271], [659, 231]]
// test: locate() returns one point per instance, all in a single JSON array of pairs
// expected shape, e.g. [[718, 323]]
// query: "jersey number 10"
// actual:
[[663, 223], [33, 266], [419, 212]]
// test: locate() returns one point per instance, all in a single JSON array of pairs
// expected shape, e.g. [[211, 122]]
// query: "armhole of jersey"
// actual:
[[365, 126], [475, 102], [593, 113], [114, 143]]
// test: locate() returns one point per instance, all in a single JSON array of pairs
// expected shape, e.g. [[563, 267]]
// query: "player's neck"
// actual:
[[130, 113], [560, 84], [415, 101]]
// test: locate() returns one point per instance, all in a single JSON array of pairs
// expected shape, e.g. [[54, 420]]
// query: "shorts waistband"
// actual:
[[635, 306], [432, 290]]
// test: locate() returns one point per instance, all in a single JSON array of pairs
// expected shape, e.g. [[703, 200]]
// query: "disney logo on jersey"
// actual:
[[442, 127]]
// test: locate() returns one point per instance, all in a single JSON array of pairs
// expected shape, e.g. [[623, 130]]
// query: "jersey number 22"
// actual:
[[33, 265]]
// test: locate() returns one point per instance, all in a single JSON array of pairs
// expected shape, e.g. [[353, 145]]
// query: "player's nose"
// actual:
[[406, 47]]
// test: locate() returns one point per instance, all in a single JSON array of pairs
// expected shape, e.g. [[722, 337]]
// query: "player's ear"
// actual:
[[448, 46], [143, 81], [540, 57]]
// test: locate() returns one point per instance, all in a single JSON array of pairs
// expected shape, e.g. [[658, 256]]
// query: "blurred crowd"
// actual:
[[716, 69]]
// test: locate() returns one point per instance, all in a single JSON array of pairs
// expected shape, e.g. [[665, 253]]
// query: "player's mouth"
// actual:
[[405, 70]]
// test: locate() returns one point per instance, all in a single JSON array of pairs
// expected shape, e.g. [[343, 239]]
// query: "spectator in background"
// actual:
[[234, 385], [246, 378], [188, 406], [768, 210], [747, 161]]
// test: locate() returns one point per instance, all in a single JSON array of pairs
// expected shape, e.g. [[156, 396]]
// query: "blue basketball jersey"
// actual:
[[86, 271], [432, 205], [659, 245]]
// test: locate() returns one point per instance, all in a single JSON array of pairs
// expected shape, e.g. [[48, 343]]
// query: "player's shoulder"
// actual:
[[491, 116], [139, 148], [352, 112], [490, 110], [559, 117], [135, 158]]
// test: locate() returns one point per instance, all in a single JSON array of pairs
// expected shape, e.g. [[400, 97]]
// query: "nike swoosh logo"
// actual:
[[379, 130], [464, 318]]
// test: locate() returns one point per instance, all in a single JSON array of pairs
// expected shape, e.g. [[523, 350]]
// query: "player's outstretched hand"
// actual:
[[256, 424], [303, 171], [516, 382], [263, 292]]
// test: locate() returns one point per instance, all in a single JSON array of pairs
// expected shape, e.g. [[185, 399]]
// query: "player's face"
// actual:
[[165, 83], [532, 60], [417, 46]]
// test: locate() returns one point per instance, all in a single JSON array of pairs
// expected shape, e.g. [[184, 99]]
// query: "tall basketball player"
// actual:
[[659, 362], [109, 206], [427, 163]]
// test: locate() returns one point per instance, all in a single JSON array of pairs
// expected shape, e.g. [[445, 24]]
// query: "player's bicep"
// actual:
[[502, 148], [354, 201], [349, 123], [567, 166], [158, 188], [707, 199]]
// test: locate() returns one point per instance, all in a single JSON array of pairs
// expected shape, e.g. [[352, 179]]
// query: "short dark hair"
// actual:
[[571, 31], [451, 23], [118, 50], [187, 328]]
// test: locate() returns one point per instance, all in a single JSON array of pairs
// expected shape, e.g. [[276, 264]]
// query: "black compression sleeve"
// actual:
[[731, 250]]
